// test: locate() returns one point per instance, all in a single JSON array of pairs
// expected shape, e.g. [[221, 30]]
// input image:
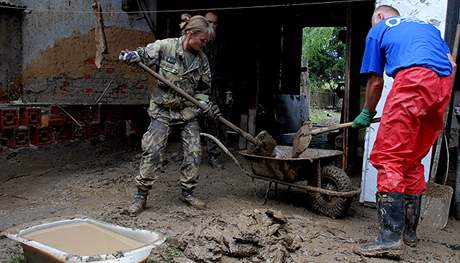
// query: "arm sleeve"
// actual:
[[151, 54], [373, 59], [206, 77]]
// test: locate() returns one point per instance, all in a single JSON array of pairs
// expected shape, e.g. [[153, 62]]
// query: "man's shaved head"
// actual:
[[382, 12], [387, 8]]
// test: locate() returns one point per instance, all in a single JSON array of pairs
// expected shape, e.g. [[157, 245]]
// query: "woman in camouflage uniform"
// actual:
[[182, 62]]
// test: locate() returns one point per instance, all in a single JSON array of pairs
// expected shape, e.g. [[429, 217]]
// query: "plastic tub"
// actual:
[[77, 239]]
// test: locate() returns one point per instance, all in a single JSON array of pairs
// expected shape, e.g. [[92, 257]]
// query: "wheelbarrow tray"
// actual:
[[287, 169]]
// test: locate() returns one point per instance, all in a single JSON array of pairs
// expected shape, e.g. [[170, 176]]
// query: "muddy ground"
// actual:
[[97, 181]]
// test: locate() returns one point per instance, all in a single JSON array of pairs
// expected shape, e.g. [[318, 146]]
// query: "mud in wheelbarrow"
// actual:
[[329, 188]]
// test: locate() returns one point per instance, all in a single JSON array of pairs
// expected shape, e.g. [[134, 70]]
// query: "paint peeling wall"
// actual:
[[59, 51], [10, 51]]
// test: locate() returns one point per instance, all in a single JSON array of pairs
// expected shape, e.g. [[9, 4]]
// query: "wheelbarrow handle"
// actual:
[[188, 97], [337, 127]]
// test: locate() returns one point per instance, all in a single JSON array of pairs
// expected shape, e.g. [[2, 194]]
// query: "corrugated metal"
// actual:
[[12, 3]]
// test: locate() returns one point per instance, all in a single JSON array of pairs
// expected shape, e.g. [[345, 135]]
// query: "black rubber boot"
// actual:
[[391, 210], [188, 198], [413, 203], [139, 203]]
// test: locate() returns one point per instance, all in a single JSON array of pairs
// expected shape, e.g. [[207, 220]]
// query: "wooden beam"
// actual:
[[346, 98]]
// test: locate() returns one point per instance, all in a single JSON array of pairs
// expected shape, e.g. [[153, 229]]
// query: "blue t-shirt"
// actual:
[[399, 42]]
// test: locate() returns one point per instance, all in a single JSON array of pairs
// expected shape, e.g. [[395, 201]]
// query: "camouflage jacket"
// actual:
[[168, 55]]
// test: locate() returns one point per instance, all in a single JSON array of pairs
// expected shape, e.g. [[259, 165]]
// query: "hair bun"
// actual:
[[185, 18]]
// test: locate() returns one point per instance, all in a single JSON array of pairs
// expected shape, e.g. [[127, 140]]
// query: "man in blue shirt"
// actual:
[[414, 54]]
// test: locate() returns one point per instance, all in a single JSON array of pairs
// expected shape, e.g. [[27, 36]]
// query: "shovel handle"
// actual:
[[337, 126], [188, 97]]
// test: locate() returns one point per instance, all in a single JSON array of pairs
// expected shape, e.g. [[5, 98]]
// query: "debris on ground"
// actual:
[[98, 181], [263, 234]]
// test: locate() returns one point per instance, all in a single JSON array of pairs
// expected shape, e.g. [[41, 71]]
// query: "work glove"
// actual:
[[129, 56], [212, 110], [363, 120]]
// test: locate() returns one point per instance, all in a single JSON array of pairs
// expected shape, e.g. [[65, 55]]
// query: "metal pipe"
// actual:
[[457, 187], [311, 188], [45, 104], [70, 115]]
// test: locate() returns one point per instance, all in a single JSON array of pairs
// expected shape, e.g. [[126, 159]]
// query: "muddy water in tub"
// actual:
[[84, 239]]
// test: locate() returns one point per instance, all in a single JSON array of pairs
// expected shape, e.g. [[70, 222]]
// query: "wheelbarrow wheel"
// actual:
[[332, 178]]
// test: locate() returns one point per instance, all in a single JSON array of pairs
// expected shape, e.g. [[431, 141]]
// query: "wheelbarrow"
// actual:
[[329, 188]]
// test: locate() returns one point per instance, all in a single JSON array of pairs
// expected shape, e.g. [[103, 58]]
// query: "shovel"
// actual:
[[303, 136], [263, 144], [435, 205]]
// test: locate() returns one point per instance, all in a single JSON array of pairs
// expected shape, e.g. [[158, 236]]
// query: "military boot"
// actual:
[[390, 209], [413, 203], [139, 203], [188, 198]]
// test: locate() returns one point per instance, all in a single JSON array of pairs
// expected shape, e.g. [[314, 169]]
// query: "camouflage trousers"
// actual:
[[153, 145]]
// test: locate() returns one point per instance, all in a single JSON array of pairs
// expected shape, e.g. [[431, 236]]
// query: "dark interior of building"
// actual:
[[260, 51]]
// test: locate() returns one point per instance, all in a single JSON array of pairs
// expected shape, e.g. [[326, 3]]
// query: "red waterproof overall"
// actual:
[[411, 121]]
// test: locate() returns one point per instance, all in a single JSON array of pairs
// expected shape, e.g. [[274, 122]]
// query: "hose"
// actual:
[[222, 146]]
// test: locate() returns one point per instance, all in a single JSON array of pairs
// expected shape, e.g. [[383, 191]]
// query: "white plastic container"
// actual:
[[143, 242]]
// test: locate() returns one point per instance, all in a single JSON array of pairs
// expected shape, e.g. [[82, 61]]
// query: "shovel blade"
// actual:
[[302, 140], [435, 206], [265, 146]]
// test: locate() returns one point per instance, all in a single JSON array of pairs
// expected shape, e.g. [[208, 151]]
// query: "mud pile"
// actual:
[[259, 235]]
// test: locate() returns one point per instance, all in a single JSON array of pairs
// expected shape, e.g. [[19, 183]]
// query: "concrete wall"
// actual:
[[10, 49], [59, 51]]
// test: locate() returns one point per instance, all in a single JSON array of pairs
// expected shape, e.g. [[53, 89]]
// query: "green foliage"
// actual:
[[324, 117], [16, 259], [325, 57], [173, 252], [167, 253]]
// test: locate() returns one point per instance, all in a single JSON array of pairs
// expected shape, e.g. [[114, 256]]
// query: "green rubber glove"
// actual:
[[363, 120]]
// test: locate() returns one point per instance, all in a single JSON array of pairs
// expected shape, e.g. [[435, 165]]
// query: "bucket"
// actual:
[[290, 111], [84, 240], [286, 138]]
